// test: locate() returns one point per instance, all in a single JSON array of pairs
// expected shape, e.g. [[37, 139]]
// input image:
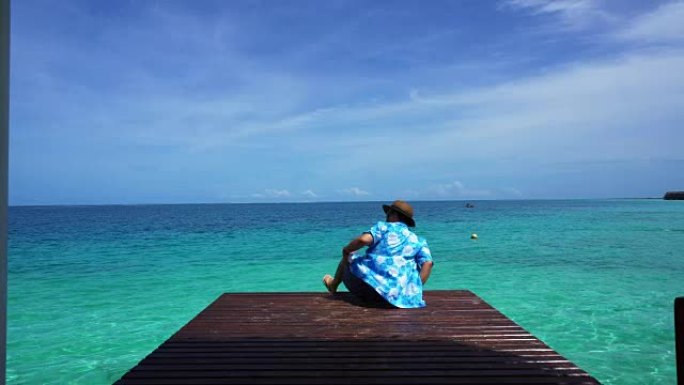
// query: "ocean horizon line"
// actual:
[[326, 201]]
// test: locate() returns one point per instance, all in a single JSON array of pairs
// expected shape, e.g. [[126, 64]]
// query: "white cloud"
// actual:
[[554, 6], [457, 189], [355, 191], [573, 14], [619, 108], [278, 193], [273, 193], [623, 108], [310, 194], [512, 192], [664, 24]]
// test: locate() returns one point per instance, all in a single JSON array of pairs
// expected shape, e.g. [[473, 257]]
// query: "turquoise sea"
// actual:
[[94, 289]]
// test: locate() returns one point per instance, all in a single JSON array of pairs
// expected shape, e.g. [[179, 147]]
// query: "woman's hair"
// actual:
[[402, 218]]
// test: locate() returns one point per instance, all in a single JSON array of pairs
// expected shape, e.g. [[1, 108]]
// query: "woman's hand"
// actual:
[[425, 271]]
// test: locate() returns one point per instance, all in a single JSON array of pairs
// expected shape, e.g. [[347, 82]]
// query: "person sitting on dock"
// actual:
[[395, 265]]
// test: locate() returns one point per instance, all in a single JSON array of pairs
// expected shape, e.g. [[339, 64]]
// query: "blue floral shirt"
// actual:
[[391, 264]]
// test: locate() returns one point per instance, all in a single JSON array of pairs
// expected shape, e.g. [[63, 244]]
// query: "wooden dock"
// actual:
[[317, 338]]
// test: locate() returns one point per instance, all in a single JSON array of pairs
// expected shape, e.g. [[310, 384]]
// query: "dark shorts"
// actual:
[[361, 289]]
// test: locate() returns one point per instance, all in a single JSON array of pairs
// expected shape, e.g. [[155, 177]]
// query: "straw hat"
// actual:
[[403, 208]]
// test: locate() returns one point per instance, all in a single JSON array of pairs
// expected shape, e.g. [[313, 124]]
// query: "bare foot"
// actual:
[[328, 282]]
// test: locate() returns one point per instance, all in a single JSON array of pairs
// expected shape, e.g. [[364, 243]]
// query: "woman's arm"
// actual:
[[425, 271], [362, 240]]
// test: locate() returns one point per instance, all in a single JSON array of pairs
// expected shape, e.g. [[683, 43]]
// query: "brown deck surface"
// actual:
[[317, 338]]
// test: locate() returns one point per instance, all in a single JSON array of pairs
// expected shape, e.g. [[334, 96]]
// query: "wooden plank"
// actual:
[[348, 380], [316, 338]]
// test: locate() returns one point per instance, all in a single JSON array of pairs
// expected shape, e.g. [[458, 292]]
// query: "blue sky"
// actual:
[[274, 101]]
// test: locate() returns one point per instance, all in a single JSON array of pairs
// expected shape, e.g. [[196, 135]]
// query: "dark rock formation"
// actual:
[[674, 195]]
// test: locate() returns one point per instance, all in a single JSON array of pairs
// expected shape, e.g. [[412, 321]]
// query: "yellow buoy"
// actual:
[[473, 236]]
